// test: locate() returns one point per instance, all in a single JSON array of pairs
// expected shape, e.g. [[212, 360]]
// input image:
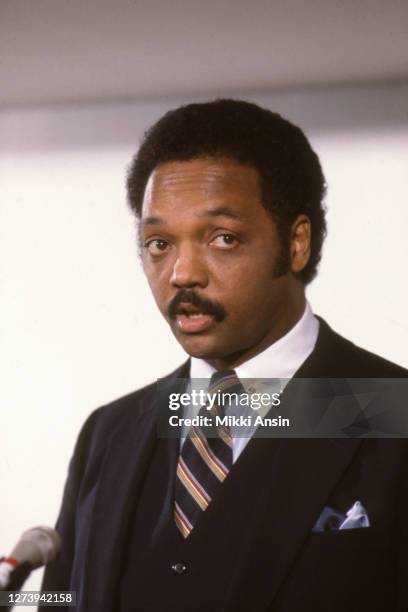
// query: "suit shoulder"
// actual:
[[127, 403], [357, 361], [103, 421]]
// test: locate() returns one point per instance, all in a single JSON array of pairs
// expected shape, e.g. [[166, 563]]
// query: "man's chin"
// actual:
[[201, 346]]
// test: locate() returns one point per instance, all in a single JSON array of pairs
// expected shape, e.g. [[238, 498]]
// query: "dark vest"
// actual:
[[162, 570]]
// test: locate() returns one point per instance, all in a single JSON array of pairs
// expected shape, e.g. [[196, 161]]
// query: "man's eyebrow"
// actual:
[[220, 211], [150, 221]]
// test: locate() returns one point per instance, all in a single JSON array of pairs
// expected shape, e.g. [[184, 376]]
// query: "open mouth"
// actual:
[[191, 320]]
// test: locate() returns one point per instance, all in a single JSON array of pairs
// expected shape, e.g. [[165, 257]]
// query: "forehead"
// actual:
[[201, 182]]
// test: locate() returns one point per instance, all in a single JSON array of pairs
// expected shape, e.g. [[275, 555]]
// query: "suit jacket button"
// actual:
[[179, 568]]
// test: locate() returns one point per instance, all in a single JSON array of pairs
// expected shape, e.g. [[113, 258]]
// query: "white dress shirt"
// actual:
[[279, 361]]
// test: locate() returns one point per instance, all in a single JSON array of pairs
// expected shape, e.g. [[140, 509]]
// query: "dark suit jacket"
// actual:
[[283, 566]]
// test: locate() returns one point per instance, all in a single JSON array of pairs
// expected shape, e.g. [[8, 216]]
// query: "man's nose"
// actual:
[[188, 270]]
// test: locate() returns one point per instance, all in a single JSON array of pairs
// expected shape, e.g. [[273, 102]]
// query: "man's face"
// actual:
[[210, 252]]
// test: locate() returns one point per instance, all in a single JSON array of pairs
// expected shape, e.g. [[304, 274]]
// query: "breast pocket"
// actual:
[[340, 544], [350, 570], [350, 556]]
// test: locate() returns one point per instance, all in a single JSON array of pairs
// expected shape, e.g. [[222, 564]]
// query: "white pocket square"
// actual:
[[332, 520]]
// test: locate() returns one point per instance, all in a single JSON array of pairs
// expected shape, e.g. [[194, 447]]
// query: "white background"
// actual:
[[78, 326]]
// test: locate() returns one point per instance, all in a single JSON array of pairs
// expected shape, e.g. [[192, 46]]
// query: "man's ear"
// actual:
[[300, 237]]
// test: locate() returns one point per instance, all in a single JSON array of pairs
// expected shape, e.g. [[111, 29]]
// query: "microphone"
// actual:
[[36, 547]]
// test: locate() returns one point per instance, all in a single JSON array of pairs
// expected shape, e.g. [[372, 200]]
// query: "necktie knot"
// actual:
[[225, 381]]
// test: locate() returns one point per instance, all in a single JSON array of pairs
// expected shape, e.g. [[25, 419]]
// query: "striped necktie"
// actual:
[[204, 462]]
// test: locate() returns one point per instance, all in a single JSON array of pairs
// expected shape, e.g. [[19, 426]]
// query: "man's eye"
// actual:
[[156, 246], [224, 241]]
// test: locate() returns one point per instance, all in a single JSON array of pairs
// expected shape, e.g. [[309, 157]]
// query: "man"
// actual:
[[230, 202]]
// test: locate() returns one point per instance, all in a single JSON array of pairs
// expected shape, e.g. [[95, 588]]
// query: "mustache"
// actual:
[[186, 296]]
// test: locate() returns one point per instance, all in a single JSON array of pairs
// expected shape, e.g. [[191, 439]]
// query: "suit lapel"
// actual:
[[125, 465]]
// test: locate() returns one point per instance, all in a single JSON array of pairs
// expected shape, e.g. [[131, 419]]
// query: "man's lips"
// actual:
[[194, 323], [191, 320]]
